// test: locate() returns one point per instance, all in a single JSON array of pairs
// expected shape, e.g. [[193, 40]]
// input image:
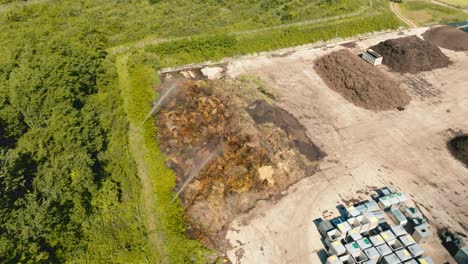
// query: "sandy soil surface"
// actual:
[[366, 149]]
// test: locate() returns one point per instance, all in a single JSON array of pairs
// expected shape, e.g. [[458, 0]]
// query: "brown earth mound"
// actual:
[[359, 82], [458, 146], [224, 161], [411, 55], [263, 113], [448, 38]]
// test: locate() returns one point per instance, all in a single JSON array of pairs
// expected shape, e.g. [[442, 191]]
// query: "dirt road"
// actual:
[[396, 9]]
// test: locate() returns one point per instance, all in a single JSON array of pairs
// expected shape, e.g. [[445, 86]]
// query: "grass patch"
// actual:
[[457, 3], [424, 13], [158, 181], [203, 48]]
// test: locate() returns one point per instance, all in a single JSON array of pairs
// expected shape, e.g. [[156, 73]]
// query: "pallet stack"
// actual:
[[363, 234]]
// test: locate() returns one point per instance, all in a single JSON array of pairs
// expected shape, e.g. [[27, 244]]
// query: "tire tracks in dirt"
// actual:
[[396, 10], [10, 6]]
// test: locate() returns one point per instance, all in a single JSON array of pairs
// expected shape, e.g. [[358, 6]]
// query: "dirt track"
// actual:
[[396, 9], [365, 150], [149, 216]]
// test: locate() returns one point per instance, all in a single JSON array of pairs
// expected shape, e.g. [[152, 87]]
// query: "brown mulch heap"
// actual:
[[411, 55], [198, 121], [359, 82], [448, 38], [459, 148]]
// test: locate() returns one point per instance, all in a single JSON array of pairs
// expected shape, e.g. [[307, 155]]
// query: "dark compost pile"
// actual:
[[448, 38], [411, 55]]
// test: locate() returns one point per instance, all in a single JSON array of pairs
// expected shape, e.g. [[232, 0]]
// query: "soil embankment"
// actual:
[[359, 82], [411, 55], [225, 161], [447, 37]]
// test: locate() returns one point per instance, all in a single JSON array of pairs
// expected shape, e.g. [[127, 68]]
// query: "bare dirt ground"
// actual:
[[366, 149]]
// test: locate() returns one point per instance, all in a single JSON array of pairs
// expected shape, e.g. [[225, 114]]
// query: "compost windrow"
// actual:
[[446, 37], [359, 82], [224, 160], [411, 55]]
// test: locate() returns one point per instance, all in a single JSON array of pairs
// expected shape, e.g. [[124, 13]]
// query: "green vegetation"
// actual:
[[457, 3], [125, 21], [424, 12], [69, 190], [202, 48], [137, 78], [71, 143], [7, 1]]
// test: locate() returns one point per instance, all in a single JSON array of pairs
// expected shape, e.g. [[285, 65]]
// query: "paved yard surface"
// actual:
[[365, 150]]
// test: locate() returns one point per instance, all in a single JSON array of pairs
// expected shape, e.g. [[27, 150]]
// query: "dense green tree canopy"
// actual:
[[62, 189]]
